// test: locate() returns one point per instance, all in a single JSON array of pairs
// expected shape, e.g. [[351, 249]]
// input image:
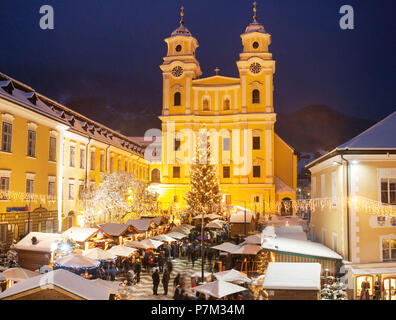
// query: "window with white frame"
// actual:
[[29, 186], [82, 157], [111, 164], [5, 185], [388, 190], [72, 156], [322, 186], [31, 144], [49, 225], [102, 161], [92, 160], [226, 104], [52, 149], [71, 190], [389, 249], [226, 144], [206, 103], [334, 189], [6, 137], [313, 188], [51, 187]]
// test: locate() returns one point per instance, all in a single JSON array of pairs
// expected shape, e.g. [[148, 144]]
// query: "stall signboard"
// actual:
[[393, 221], [100, 234], [18, 209]]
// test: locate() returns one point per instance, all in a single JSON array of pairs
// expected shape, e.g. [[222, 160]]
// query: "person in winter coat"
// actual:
[[156, 281], [165, 281], [176, 280], [169, 266], [193, 257]]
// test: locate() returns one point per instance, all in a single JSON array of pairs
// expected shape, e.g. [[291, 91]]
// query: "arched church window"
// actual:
[[156, 176], [256, 96], [177, 99], [226, 104]]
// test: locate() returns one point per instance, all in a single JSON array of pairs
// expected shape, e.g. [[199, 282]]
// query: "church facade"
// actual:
[[255, 166]]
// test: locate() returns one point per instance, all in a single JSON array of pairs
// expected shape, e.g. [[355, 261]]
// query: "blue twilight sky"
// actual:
[[103, 56]]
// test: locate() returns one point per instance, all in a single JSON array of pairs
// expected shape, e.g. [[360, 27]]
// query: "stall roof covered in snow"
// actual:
[[292, 276], [79, 234], [114, 229], [282, 187], [239, 217], [303, 247], [62, 279], [139, 224], [44, 241]]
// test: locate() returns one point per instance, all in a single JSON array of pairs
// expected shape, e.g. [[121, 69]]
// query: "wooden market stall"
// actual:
[[293, 281], [56, 285], [237, 223], [34, 250]]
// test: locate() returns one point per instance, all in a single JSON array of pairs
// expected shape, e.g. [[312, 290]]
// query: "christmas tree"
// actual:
[[333, 290], [204, 196]]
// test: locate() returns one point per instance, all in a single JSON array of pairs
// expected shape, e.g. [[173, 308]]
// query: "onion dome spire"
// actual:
[[181, 30], [255, 26]]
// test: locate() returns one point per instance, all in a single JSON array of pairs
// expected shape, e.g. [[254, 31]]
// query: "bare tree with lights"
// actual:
[[118, 195]]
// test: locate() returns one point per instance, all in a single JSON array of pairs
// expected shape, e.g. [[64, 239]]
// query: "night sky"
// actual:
[[103, 57]]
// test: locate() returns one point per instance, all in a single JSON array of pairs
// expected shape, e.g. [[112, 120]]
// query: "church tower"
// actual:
[[179, 68], [256, 69]]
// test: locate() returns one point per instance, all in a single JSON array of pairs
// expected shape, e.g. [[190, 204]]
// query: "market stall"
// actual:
[[219, 289]]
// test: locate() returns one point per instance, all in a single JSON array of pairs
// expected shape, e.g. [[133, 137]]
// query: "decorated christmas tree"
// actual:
[[333, 290], [204, 196]]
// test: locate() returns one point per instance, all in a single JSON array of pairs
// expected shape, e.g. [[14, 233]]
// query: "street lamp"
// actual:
[[245, 215]]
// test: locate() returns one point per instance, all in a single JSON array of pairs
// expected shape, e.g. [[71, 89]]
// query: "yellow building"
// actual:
[[48, 153], [355, 207], [254, 164]]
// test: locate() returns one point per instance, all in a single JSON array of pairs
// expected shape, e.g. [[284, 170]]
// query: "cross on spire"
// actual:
[[217, 71], [255, 11], [182, 15]]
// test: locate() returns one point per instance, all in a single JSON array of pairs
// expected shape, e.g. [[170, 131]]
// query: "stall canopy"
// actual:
[[141, 225], [250, 249], [164, 237], [145, 244], [19, 274], [232, 276], [292, 276], [75, 260], [214, 225], [219, 289], [253, 239], [43, 244], [121, 251], [176, 235], [213, 216], [226, 247], [79, 234], [98, 254], [63, 279]]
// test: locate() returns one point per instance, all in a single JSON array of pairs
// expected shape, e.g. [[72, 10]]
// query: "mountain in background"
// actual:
[[318, 127]]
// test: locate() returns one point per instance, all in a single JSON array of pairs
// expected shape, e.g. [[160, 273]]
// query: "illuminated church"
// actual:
[[255, 166]]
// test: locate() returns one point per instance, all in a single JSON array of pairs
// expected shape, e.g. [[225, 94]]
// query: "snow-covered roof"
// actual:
[[139, 224], [112, 286], [34, 101], [79, 234], [176, 235], [219, 288], [380, 136], [121, 251], [75, 260], [232, 276], [226, 247], [19, 274], [255, 27], [307, 248], [44, 241], [291, 232], [282, 187], [181, 31], [114, 229], [292, 276], [250, 249], [63, 279], [239, 217]]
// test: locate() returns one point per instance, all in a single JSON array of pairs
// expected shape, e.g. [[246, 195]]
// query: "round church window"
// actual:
[[177, 71], [255, 45], [255, 67]]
